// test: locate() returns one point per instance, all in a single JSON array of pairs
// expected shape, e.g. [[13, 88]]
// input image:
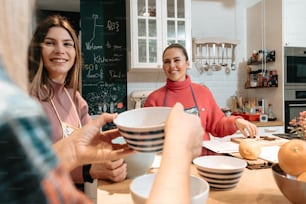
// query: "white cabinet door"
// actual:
[[294, 18], [153, 25]]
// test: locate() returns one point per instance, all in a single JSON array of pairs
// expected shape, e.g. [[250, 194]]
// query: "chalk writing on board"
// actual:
[[113, 26], [90, 45], [104, 76]]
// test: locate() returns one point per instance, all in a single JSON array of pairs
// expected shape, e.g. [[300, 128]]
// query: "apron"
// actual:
[[67, 128], [192, 110]]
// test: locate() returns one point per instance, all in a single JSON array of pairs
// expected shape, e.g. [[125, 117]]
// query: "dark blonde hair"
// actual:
[[38, 75]]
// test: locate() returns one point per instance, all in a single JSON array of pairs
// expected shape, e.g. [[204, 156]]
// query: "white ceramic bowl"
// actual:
[[221, 172], [143, 128], [137, 164], [141, 186]]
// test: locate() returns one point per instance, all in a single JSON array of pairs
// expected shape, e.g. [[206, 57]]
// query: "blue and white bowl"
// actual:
[[143, 128], [221, 172]]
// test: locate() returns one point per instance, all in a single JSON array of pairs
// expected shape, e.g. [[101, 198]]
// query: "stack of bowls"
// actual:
[[143, 128], [141, 186], [221, 172]]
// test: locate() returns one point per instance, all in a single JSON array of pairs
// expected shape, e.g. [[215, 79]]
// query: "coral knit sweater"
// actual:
[[68, 115], [213, 119]]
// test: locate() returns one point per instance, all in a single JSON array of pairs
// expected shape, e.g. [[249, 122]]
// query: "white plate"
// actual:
[[219, 163]]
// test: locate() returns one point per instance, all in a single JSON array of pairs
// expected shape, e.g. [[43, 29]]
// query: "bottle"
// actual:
[[271, 115]]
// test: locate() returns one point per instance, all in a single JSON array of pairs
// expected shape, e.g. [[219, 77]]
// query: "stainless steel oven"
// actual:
[[294, 82], [295, 66]]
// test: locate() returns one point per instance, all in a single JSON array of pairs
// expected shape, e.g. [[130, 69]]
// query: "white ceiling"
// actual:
[[59, 5]]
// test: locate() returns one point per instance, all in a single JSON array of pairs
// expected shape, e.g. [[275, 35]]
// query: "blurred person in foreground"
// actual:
[[196, 99], [33, 171], [54, 64], [30, 169]]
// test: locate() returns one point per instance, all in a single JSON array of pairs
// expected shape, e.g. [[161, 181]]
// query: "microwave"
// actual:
[[294, 66]]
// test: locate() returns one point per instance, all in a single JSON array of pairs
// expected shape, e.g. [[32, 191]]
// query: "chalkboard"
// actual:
[[104, 71]]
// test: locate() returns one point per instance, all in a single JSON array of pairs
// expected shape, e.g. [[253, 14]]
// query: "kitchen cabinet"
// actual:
[[294, 17], [154, 24]]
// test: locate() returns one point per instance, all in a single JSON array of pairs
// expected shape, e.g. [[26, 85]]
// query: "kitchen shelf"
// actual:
[[261, 87], [259, 63]]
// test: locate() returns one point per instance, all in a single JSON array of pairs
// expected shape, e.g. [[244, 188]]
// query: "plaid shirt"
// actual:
[[29, 170]]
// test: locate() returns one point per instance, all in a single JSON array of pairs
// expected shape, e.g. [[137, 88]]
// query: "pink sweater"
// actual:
[[213, 119], [67, 114]]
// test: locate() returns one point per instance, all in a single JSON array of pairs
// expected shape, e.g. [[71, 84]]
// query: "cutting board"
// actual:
[[254, 164], [263, 140]]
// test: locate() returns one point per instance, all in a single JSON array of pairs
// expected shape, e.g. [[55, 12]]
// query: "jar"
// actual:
[[253, 79]]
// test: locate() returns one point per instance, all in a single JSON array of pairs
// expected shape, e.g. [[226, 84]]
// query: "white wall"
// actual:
[[210, 18]]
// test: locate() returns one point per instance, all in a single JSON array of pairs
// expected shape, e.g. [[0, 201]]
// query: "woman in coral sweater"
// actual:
[[196, 99]]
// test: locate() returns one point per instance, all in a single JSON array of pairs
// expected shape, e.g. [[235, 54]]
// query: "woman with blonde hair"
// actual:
[[54, 73]]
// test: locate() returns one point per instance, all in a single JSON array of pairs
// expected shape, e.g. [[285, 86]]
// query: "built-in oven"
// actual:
[[295, 102], [294, 82], [295, 66]]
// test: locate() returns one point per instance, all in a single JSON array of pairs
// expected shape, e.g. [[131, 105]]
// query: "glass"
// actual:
[[181, 30], [180, 9], [171, 29], [152, 51], [152, 8], [141, 27], [141, 5], [182, 42], [170, 9], [152, 28], [142, 51]]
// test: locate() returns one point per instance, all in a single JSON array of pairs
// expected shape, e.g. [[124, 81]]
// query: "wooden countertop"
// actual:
[[269, 123], [255, 186]]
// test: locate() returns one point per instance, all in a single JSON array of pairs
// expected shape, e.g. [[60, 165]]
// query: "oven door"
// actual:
[[292, 110], [295, 66]]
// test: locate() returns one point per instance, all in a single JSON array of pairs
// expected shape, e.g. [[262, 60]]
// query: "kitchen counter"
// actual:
[[255, 186], [269, 123]]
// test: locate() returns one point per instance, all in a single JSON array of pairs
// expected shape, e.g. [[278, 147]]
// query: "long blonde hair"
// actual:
[[40, 86], [15, 34]]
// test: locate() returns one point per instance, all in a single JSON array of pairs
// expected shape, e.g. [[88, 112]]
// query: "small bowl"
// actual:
[[221, 172], [220, 164], [143, 128], [138, 163], [140, 189], [292, 189]]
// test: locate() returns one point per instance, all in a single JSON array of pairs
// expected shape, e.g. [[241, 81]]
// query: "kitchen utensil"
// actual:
[[199, 63], [221, 172], [233, 65], [214, 65], [206, 65], [143, 128], [225, 65], [140, 189], [291, 188]]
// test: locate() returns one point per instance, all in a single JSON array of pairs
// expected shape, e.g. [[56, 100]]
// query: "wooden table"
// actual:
[[255, 186]]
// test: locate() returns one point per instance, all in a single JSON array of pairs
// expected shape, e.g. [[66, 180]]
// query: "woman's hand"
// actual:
[[89, 145], [184, 130], [115, 171], [246, 128]]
